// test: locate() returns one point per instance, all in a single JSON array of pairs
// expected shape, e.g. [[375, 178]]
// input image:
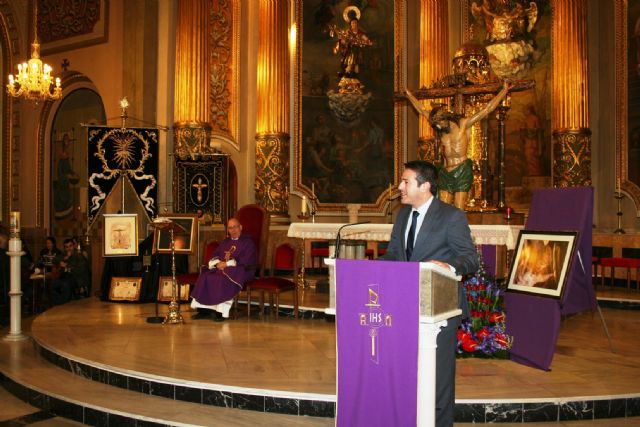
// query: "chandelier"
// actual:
[[33, 80]]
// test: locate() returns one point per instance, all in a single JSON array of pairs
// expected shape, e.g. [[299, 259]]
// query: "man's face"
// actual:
[[68, 248], [412, 193], [234, 228]]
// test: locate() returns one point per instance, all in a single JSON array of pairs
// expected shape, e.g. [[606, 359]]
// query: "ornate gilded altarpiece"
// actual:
[[348, 161], [520, 52], [628, 99]]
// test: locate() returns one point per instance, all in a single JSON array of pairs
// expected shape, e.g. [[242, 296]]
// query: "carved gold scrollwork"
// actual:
[[427, 149], [571, 157], [192, 141], [272, 171]]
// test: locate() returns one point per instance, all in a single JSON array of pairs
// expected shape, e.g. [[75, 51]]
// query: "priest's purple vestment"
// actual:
[[216, 286]]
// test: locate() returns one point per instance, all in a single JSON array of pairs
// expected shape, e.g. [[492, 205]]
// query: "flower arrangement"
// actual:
[[483, 333]]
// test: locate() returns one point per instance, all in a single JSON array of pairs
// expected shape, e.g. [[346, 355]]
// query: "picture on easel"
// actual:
[[541, 262], [120, 235], [185, 239]]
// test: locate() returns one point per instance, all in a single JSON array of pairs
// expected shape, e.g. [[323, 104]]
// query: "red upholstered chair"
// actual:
[[208, 249], [255, 222], [319, 251], [285, 257], [628, 263]]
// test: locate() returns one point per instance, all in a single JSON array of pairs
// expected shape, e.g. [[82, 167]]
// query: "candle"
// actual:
[[304, 205], [14, 223], [313, 190]]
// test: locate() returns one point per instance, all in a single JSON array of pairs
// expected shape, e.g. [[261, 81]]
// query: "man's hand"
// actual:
[[221, 265]]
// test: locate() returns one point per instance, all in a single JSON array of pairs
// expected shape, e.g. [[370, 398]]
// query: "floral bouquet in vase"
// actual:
[[483, 333]]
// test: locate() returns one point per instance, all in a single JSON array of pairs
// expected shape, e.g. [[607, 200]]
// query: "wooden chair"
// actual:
[[255, 222], [285, 257]]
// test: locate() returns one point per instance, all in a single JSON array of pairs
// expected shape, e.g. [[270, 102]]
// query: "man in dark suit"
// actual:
[[433, 231]]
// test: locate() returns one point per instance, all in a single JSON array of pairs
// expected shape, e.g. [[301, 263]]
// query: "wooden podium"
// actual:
[[438, 302]]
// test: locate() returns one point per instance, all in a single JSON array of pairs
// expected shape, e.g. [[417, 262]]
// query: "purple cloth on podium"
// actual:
[[534, 322], [377, 318], [215, 286]]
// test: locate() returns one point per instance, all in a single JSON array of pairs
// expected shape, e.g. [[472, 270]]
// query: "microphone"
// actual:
[[336, 253]]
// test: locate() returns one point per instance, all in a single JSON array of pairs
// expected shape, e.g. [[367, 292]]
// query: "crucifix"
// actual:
[[456, 88], [199, 186]]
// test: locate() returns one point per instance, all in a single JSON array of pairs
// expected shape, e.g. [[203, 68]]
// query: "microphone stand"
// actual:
[[337, 251]]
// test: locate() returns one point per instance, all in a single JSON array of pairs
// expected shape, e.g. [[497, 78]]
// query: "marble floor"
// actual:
[[297, 357]]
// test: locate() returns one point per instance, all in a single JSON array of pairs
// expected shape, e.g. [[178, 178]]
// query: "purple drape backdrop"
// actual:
[[534, 322], [489, 258], [377, 318]]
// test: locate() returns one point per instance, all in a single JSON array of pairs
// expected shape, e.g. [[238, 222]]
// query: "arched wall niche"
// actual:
[[62, 156]]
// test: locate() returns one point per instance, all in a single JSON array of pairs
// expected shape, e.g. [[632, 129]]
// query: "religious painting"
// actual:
[[517, 37], [125, 288], [541, 262], [120, 235], [66, 194], [74, 25], [185, 233], [347, 137], [165, 290], [628, 94]]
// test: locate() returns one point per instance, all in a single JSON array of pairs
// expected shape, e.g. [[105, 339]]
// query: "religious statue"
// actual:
[[508, 25], [350, 43], [531, 135], [455, 175]]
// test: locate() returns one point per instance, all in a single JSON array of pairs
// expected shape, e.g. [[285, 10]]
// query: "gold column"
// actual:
[[570, 98], [192, 79], [434, 63], [272, 115]]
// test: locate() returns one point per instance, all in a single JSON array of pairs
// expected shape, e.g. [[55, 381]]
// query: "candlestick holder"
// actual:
[[303, 216], [619, 196]]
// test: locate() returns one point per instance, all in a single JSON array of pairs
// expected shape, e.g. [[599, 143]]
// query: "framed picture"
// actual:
[[185, 237], [541, 262], [120, 235], [125, 288], [332, 131], [627, 96], [78, 24], [165, 291]]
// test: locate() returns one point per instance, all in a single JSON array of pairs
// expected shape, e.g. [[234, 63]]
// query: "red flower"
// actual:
[[469, 345], [483, 333], [496, 317], [501, 339]]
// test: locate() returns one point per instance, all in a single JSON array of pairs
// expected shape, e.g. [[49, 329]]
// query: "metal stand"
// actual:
[[302, 283], [501, 115], [174, 316], [619, 196]]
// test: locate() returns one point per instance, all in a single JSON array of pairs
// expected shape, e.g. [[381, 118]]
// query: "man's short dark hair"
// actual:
[[67, 241], [425, 172]]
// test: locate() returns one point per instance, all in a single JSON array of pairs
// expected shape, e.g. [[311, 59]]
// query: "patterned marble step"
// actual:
[[28, 376]]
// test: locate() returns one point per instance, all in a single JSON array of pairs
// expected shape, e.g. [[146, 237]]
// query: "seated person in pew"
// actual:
[[232, 265], [74, 280]]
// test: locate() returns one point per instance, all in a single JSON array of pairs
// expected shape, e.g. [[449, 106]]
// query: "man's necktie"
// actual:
[[412, 232]]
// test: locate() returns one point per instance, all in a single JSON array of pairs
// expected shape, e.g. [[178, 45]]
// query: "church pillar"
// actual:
[[570, 95], [272, 113], [434, 63], [191, 127]]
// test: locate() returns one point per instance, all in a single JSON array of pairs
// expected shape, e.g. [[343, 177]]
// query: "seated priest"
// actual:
[[233, 263]]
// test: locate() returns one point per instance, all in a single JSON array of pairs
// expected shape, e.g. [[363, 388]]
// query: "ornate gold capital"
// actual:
[[191, 140], [427, 149], [272, 172], [571, 157]]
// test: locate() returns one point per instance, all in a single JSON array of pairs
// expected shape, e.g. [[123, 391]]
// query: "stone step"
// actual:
[[24, 373]]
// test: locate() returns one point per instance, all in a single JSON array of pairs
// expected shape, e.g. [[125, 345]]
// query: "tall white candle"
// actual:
[[303, 208], [313, 190]]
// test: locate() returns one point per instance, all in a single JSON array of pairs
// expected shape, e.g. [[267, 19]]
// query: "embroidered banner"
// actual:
[[116, 152], [377, 317]]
